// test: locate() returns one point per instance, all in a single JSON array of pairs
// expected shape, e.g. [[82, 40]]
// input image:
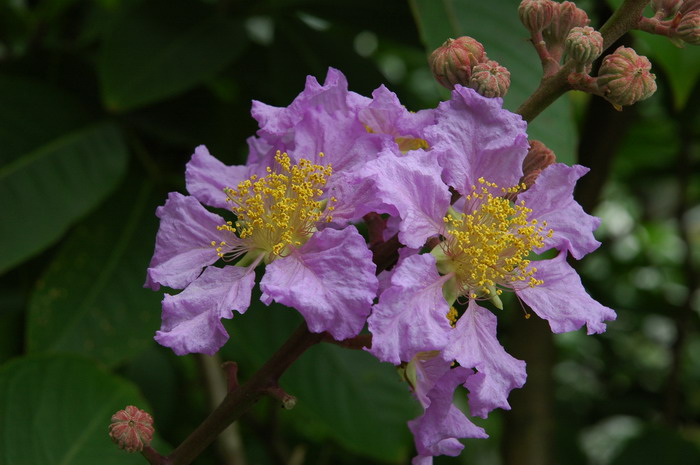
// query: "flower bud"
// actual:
[[666, 8], [131, 429], [624, 77], [689, 28], [536, 14], [538, 157], [452, 62], [689, 5], [584, 44], [566, 17], [490, 79]]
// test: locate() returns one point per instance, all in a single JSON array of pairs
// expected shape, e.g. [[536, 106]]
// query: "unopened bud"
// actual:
[[490, 79], [665, 8], [689, 5], [131, 429], [584, 44], [538, 158], [566, 17], [625, 78], [452, 62], [689, 28], [536, 14]]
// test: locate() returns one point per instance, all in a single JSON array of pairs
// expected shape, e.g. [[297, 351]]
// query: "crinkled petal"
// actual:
[[386, 115], [192, 318], [332, 97], [474, 345], [562, 300], [475, 137], [183, 242], [551, 199], [207, 177], [437, 430], [330, 280], [412, 185], [411, 315]]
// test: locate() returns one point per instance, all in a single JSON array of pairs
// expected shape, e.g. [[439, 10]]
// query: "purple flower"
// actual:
[[486, 241], [433, 382], [278, 220]]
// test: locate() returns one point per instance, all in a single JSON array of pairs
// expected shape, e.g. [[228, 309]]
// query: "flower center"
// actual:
[[405, 143], [278, 211], [487, 246]]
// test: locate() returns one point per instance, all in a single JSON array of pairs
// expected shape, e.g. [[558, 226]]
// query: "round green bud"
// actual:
[[625, 78], [490, 79], [689, 28], [583, 44], [452, 63], [536, 14]]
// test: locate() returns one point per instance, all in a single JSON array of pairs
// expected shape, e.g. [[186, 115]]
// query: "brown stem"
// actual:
[[551, 88], [242, 398]]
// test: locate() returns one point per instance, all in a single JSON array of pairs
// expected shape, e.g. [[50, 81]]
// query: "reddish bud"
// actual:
[[490, 79], [452, 62], [625, 78], [665, 8], [689, 28], [536, 14], [689, 5], [131, 429], [538, 158], [566, 17], [584, 44]]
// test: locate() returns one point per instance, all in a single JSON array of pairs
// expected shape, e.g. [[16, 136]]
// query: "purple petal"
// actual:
[[411, 315], [207, 177], [330, 280], [437, 430], [562, 300], [411, 183], [551, 199], [386, 115], [475, 137], [183, 242], [474, 345], [192, 318]]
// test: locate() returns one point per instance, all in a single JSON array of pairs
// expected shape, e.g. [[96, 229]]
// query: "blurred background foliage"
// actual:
[[101, 105]]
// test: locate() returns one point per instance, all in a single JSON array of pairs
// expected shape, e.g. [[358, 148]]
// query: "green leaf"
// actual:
[[343, 395], [32, 113], [56, 410], [352, 398], [681, 66], [91, 299], [45, 191], [150, 56], [496, 25]]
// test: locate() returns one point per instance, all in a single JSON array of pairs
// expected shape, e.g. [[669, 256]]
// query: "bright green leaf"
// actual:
[[43, 192], [150, 56], [91, 299], [56, 411], [496, 25]]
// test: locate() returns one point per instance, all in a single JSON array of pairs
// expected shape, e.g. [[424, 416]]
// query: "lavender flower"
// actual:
[[486, 242]]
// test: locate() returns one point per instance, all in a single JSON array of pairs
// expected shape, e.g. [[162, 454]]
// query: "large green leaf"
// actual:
[[91, 299], [56, 410], [496, 25], [163, 48], [43, 192], [344, 395]]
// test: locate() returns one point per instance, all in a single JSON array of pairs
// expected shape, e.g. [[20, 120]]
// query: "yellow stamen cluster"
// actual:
[[453, 316], [280, 209], [489, 246]]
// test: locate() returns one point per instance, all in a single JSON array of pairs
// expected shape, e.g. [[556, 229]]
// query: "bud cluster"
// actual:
[[463, 61], [679, 20]]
